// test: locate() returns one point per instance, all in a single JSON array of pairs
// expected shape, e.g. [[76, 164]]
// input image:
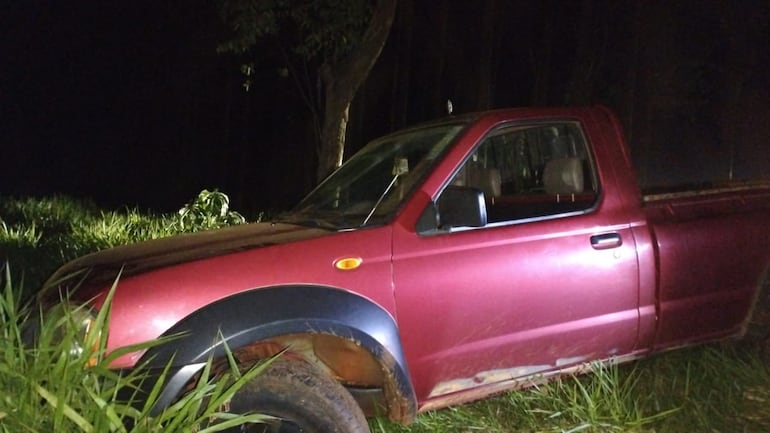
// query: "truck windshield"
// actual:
[[370, 187]]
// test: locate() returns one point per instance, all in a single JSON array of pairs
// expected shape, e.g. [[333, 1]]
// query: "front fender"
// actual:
[[260, 314]]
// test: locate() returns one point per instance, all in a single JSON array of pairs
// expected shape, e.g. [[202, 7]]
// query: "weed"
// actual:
[[61, 379], [210, 210]]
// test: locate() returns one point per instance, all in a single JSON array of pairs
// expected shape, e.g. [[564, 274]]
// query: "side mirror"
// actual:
[[461, 206], [458, 206]]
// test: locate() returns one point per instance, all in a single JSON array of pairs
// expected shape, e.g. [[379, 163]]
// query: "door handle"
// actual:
[[606, 240]]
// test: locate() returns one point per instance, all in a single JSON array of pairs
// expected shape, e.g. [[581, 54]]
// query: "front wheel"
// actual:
[[302, 398]]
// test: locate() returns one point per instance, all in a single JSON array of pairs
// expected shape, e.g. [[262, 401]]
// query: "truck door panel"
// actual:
[[550, 282]]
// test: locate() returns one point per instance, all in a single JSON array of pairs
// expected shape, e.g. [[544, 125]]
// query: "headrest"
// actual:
[[483, 178], [563, 176]]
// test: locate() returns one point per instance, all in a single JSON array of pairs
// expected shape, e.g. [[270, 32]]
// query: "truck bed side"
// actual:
[[712, 249]]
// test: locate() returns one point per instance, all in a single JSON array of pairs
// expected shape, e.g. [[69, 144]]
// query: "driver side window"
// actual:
[[531, 172]]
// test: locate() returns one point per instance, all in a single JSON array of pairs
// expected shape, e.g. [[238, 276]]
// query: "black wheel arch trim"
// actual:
[[259, 314]]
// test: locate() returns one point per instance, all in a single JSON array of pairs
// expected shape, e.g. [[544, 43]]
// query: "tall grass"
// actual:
[[48, 386]]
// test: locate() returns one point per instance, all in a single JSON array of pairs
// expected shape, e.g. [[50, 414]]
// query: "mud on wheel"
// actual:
[[302, 399]]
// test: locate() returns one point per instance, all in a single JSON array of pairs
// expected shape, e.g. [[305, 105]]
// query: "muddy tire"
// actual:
[[302, 397]]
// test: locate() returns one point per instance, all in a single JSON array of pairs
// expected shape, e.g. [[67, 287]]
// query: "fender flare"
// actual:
[[259, 314]]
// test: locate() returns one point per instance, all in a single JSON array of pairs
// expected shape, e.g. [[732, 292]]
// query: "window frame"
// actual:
[[595, 187]]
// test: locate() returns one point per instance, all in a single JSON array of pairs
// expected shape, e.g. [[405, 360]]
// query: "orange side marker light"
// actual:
[[348, 263]]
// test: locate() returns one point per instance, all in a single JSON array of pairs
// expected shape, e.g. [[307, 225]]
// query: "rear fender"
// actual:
[[252, 322]]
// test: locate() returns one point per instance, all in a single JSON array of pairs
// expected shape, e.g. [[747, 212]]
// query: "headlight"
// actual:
[[75, 328], [87, 336]]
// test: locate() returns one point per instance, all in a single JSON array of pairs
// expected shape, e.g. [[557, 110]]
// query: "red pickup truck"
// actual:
[[441, 264]]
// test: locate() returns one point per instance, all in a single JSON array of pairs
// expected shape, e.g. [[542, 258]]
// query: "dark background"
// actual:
[[128, 103]]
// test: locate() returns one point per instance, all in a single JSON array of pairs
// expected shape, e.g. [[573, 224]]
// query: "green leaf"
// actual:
[[68, 412]]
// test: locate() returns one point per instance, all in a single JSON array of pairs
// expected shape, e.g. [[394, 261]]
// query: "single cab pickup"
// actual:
[[441, 264]]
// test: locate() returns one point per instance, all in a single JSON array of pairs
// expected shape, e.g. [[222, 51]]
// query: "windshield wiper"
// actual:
[[306, 221]]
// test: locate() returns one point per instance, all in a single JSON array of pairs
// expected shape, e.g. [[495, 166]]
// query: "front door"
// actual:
[[551, 281]]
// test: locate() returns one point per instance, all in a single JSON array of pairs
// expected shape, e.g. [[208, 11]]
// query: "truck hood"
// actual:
[[101, 268]]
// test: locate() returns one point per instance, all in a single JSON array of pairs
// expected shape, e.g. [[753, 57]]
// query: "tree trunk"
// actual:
[[541, 57], [591, 38], [403, 66], [738, 66], [438, 91], [341, 81], [489, 54]]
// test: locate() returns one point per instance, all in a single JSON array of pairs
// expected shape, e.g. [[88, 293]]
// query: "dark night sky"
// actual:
[[106, 101], [129, 104]]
